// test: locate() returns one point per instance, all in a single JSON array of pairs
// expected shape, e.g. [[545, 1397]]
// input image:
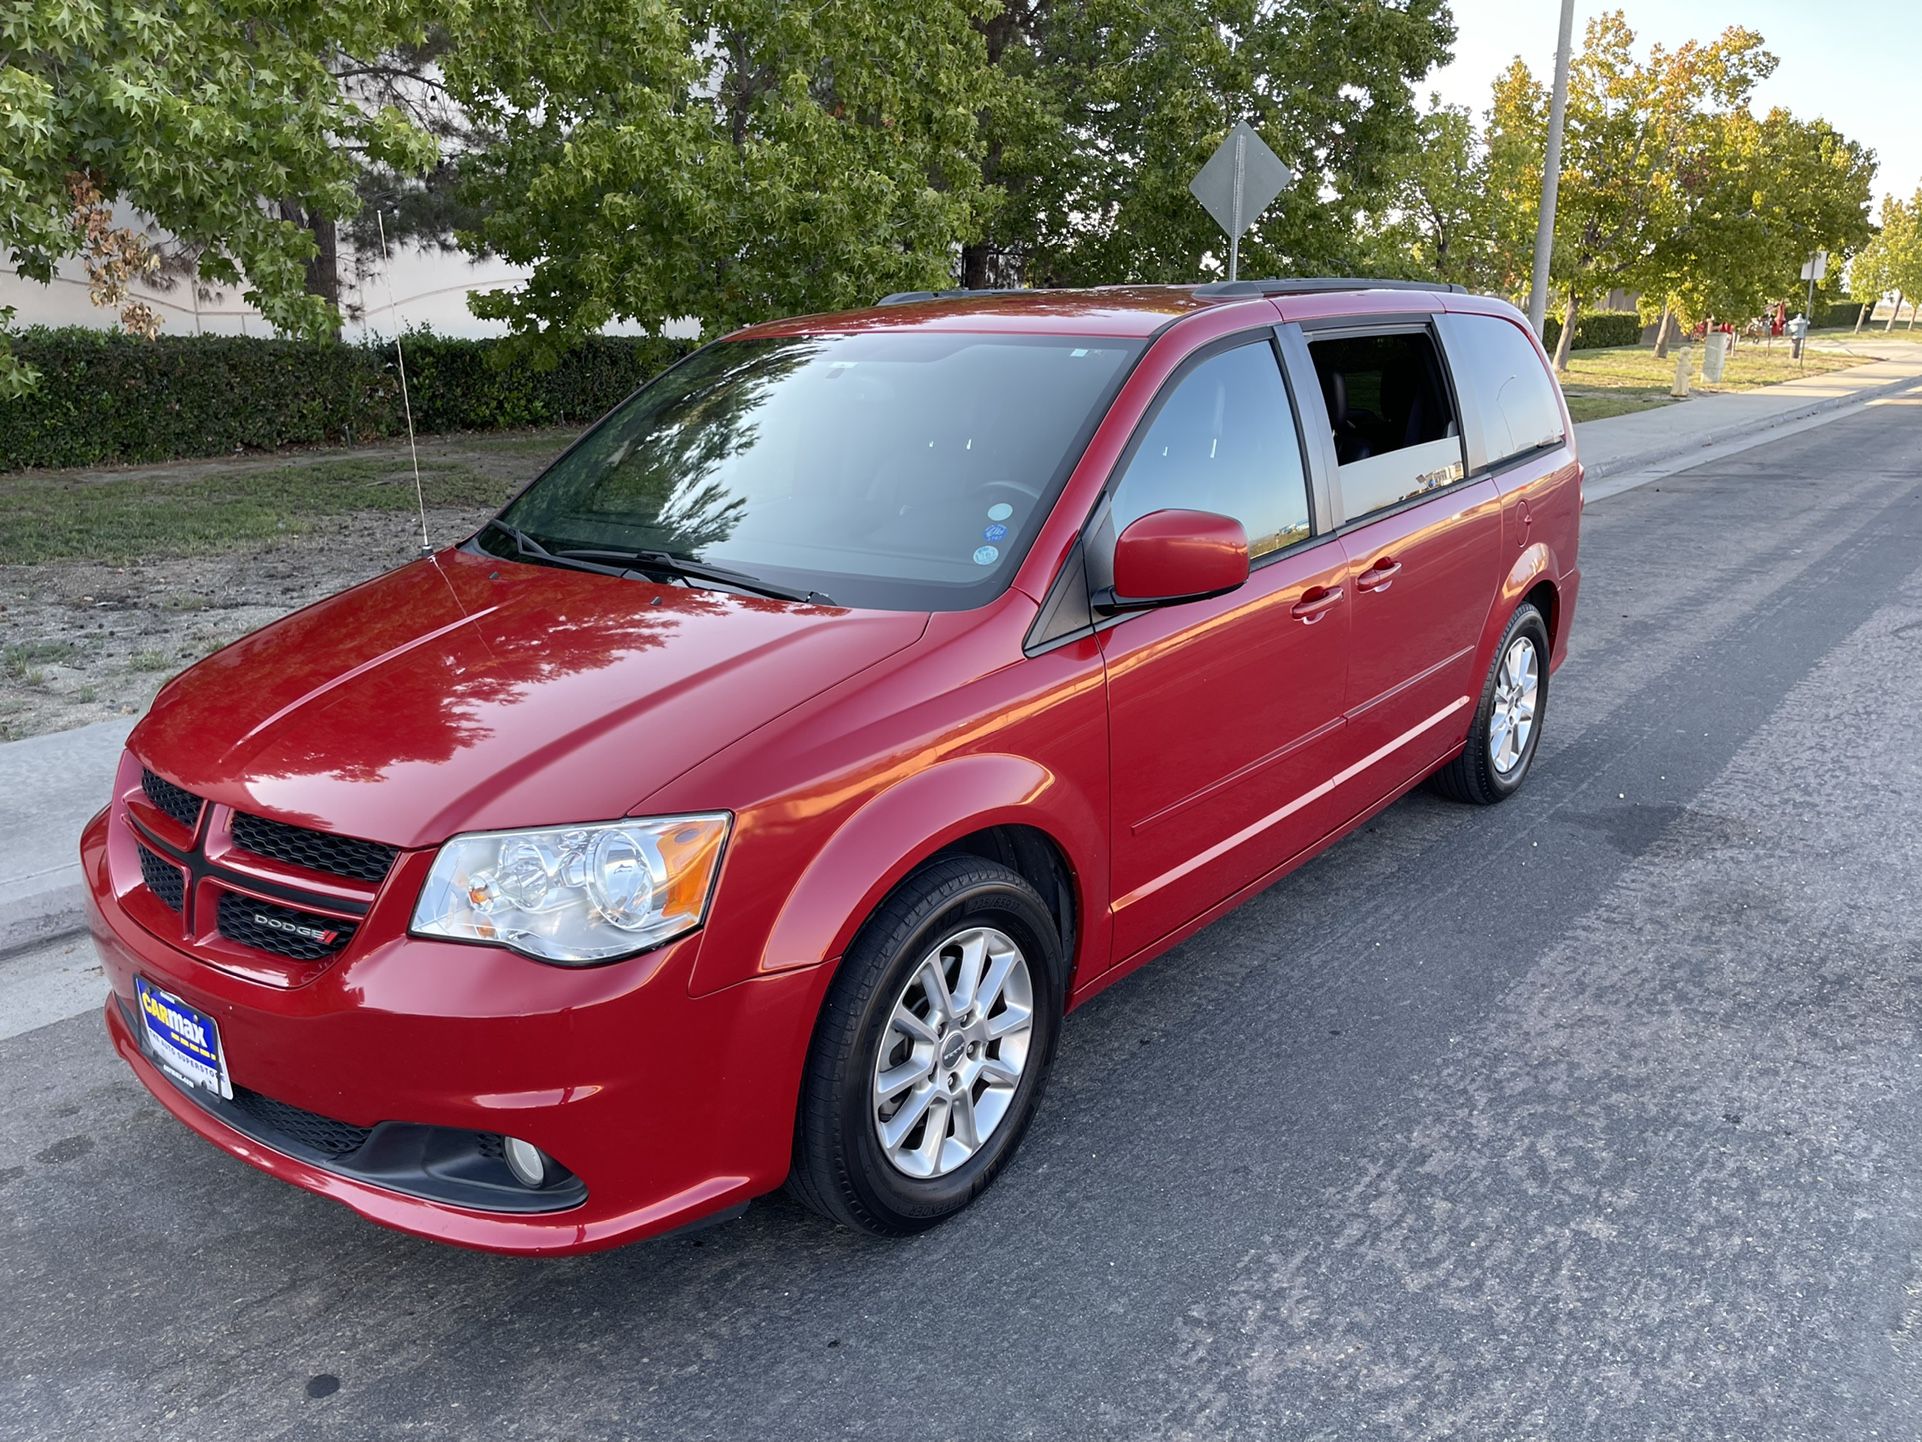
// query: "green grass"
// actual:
[[53, 517], [1620, 380], [21, 662]]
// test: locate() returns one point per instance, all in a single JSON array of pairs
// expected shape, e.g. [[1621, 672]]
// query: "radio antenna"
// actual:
[[406, 406]]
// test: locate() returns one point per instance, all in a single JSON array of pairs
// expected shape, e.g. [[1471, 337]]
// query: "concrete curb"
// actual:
[[1748, 426], [55, 914]]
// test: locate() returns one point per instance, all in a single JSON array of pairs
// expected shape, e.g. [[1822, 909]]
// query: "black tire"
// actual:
[[840, 1168], [1472, 776]]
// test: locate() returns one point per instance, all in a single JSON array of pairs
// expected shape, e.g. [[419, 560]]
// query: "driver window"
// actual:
[[1223, 440]]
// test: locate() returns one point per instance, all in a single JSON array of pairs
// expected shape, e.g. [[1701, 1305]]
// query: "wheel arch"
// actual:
[[1010, 809]]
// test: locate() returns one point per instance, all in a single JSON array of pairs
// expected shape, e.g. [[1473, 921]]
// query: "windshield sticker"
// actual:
[[996, 532], [1000, 511], [986, 555]]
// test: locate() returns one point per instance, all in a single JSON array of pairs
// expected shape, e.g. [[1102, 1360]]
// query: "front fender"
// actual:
[[902, 826]]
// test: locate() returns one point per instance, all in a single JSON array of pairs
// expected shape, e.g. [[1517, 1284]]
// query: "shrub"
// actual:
[[106, 397], [1834, 312], [1595, 329]]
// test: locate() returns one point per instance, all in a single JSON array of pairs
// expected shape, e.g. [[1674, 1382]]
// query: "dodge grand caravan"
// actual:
[[751, 799]]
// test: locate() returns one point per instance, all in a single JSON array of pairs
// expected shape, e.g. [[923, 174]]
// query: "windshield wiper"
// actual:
[[622, 563], [689, 569]]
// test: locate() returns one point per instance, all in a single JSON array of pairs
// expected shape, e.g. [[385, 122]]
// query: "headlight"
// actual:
[[575, 894]]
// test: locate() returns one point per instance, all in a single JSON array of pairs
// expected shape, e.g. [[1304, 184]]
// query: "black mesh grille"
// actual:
[[182, 805], [315, 850], [310, 1129], [303, 935], [163, 878]]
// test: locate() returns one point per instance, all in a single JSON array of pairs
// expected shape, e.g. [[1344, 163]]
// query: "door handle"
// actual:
[[1377, 576], [1315, 602]]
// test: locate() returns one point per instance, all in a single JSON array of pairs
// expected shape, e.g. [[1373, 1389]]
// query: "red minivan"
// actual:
[[751, 799]]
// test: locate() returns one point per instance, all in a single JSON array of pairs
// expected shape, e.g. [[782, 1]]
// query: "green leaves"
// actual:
[[195, 113]]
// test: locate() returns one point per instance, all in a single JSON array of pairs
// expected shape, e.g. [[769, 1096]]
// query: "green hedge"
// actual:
[[105, 397], [1595, 329], [1836, 312]]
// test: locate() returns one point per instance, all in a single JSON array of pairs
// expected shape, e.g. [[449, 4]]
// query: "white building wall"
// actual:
[[430, 288]]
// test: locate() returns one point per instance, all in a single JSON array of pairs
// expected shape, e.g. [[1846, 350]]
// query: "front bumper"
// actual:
[[668, 1108]]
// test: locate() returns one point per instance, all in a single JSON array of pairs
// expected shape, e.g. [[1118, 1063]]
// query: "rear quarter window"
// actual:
[[1503, 380]]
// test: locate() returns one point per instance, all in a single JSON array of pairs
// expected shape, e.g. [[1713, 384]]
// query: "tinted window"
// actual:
[[1388, 409], [1492, 358], [1224, 440], [903, 470]]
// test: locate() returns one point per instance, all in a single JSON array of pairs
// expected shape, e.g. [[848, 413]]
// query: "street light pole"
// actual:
[[1551, 174]]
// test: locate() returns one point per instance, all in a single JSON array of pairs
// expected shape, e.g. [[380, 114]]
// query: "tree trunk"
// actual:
[[974, 265], [323, 271], [1661, 335], [1863, 315], [1893, 314], [323, 268], [1567, 341]]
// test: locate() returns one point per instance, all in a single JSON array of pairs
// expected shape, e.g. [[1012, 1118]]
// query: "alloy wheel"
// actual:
[[956, 1044], [1517, 688]]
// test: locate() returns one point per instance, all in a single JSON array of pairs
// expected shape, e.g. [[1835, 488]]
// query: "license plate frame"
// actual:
[[182, 1040]]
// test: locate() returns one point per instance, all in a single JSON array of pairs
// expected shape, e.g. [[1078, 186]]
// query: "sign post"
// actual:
[[1815, 268], [1240, 180]]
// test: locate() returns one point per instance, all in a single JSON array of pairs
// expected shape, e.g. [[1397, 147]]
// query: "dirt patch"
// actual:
[[83, 641], [86, 640]]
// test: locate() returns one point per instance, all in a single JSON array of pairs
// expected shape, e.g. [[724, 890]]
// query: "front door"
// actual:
[[1224, 715]]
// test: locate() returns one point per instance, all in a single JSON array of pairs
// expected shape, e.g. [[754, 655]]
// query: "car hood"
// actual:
[[465, 693]]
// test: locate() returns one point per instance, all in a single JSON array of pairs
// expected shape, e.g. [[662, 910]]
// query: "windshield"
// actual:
[[900, 470]]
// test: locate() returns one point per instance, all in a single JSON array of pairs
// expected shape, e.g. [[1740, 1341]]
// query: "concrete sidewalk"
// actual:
[[52, 783], [55, 782], [1667, 433]]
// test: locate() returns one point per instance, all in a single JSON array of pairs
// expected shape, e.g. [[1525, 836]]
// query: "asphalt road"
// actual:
[[1597, 1114]]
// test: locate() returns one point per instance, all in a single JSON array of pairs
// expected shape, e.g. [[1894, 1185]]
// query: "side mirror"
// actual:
[[1166, 557]]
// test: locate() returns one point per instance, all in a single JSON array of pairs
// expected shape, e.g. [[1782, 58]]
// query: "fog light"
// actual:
[[526, 1161]]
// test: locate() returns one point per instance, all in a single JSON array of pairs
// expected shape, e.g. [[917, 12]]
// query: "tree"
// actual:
[[1440, 218], [1516, 136], [727, 161], [1891, 262], [1119, 102], [1760, 196], [721, 159], [1636, 132], [191, 112]]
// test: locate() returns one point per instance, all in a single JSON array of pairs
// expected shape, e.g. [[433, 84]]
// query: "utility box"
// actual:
[[1714, 357]]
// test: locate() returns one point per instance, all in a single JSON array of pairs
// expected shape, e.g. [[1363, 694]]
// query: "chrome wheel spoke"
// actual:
[[897, 1079], [967, 973], [1008, 1022], [934, 985], [996, 1070], [961, 1111], [896, 1129], [1000, 966], [912, 1026], [934, 1137]]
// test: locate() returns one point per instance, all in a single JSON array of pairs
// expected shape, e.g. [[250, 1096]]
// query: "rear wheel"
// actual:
[[1508, 722], [932, 1050]]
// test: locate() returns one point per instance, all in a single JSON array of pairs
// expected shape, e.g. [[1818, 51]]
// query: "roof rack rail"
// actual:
[[1312, 285], [908, 297]]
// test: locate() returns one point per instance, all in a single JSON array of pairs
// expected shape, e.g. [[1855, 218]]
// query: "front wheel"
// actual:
[[1508, 723], [931, 1051]]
